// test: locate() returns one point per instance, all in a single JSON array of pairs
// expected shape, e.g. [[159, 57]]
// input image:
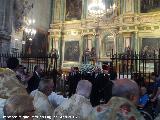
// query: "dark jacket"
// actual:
[[73, 80], [33, 83], [101, 90]]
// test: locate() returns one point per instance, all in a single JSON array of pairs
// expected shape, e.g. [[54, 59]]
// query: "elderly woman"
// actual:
[[78, 106], [19, 106]]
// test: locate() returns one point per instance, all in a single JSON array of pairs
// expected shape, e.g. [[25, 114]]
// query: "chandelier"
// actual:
[[98, 9], [29, 29]]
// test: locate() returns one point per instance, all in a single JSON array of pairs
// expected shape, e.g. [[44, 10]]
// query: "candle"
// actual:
[[62, 76]]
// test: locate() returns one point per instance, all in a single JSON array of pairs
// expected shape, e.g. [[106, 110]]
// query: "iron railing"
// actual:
[[47, 62], [141, 66]]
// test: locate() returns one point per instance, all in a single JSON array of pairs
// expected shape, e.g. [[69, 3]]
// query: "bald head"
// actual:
[[84, 88], [126, 88], [46, 86]]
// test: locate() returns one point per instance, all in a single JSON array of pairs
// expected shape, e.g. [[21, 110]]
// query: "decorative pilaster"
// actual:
[[121, 6], [60, 48], [84, 9], [136, 6], [136, 42], [139, 5], [120, 43], [63, 9], [96, 45], [94, 41], [133, 40], [81, 46]]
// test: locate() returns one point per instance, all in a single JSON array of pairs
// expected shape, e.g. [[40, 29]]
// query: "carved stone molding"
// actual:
[[122, 23], [128, 19]]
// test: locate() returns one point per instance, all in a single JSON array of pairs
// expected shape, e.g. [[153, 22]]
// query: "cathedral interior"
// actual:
[[92, 52], [75, 27]]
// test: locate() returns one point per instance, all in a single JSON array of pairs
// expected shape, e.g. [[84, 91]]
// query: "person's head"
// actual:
[[46, 86], [127, 89], [93, 49], [153, 76], [76, 69], [105, 69], [19, 105], [97, 69], [20, 70], [12, 63], [72, 69], [53, 50], [84, 88], [38, 68], [143, 90]]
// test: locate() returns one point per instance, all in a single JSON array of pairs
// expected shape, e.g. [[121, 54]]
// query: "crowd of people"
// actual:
[[96, 95]]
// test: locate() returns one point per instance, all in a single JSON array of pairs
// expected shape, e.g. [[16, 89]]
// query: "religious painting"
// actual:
[[109, 48], [38, 46], [149, 46], [57, 10], [150, 6], [73, 9], [108, 45], [71, 51]]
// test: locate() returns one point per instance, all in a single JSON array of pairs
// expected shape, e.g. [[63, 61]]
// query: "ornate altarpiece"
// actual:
[[127, 28]]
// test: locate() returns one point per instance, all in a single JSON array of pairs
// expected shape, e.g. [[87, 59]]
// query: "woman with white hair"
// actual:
[[78, 105]]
